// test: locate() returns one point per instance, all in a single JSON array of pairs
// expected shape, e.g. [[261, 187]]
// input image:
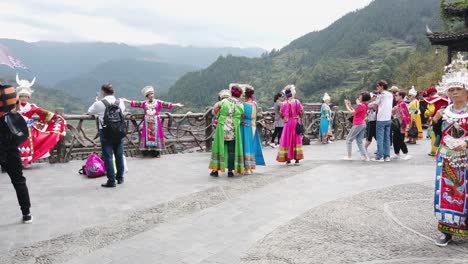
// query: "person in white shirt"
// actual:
[[109, 148], [384, 105], [372, 120]]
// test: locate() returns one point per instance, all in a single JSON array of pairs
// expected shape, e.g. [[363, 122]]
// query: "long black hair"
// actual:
[[277, 96]]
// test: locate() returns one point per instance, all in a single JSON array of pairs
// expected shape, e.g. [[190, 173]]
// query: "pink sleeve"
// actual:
[[135, 104], [166, 105], [300, 108], [284, 110], [405, 113]]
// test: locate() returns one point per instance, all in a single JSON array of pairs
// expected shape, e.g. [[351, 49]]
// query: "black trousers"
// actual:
[[399, 142], [231, 146], [277, 133], [10, 160]]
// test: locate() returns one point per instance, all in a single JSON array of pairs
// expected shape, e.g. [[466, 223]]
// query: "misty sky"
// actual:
[[241, 23]]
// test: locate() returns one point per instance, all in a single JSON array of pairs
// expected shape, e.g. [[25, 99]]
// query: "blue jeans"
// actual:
[[383, 139], [109, 149], [356, 133]]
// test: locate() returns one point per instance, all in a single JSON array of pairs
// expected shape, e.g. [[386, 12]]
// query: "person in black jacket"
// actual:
[[9, 153]]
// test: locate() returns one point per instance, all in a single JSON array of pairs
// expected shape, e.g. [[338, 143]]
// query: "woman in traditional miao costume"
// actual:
[[227, 143], [291, 143], [414, 109], [152, 136], [451, 196], [325, 130], [44, 133], [223, 94], [251, 143]]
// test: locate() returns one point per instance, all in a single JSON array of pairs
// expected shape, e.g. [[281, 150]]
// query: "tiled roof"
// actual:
[[437, 37]]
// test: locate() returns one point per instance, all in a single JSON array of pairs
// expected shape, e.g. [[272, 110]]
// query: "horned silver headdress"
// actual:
[[24, 87]]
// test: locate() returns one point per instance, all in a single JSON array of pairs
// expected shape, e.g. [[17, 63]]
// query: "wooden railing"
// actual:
[[182, 132]]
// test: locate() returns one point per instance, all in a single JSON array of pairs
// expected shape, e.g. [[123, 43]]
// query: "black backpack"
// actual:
[[113, 124]]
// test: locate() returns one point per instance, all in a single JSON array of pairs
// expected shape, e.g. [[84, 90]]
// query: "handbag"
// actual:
[[413, 132], [17, 126], [94, 167], [299, 126]]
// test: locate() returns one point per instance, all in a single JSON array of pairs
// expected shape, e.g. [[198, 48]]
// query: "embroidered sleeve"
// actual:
[[43, 114], [135, 104], [166, 105], [300, 108], [216, 108]]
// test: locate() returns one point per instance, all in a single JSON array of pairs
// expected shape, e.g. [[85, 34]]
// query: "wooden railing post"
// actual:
[[208, 130], [60, 147]]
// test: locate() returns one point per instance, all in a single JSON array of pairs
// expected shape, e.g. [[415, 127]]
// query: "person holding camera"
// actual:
[[358, 130], [9, 153], [112, 130]]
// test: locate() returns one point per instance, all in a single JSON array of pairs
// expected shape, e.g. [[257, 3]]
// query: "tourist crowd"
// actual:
[[390, 115]]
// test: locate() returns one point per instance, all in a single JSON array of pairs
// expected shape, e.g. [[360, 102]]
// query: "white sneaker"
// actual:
[[406, 157], [347, 158], [387, 159], [395, 156], [247, 172], [365, 158], [377, 160], [272, 145]]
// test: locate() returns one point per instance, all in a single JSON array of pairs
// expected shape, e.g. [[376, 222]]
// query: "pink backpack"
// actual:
[[94, 167]]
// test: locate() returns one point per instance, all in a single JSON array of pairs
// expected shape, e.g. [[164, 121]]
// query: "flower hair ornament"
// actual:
[[289, 90], [236, 89]]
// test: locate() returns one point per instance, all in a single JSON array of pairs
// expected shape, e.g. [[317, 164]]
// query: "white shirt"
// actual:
[[98, 108], [385, 103], [372, 114]]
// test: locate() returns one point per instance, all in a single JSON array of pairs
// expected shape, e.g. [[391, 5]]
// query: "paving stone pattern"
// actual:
[[170, 211]]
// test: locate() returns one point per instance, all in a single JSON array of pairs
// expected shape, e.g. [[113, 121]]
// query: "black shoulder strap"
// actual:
[[105, 102], [117, 102]]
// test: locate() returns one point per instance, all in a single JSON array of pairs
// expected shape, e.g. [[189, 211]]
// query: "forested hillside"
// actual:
[[381, 40], [51, 99]]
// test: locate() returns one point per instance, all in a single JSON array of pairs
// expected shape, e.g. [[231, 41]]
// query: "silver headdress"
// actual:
[[412, 91], [456, 75], [24, 87], [147, 90], [224, 94]]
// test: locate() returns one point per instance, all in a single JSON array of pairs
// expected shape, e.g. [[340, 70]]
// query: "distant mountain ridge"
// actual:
[[79, 69], [345, 57], [200, 57], [53, 62]]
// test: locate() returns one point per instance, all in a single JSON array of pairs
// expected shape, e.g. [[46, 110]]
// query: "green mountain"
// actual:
[[200, 57], [344, 58], [128, 77]]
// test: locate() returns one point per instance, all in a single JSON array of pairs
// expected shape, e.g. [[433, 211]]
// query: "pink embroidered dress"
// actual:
[[291, 142], [152, 136]]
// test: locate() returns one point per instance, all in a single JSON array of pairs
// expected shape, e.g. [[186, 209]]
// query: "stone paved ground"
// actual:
[[170, 211]]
